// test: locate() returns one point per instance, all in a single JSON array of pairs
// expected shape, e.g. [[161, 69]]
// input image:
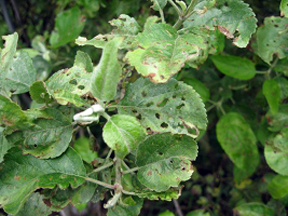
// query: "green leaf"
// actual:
[[58, 198], [158, 4], [232, 17], [40, 93], [163, 52], [20, 175], [125, 25], [168, 195], [123, 133], [82, 146], [234, 66], [238, 141], [253, 209], [6, 55], [164, 160], [271, 39], [11, 114], [4, 144], [34, 205], [171, 107], [83, 60], [129, 207], [166, 213], [283, 84], [279, 120], [276, 154], [278, 186], [282, 66], [107, 74], [284, 8], [50, 136], [271, 91], [21, 74], [200, 88], [68, 25], [67, 86]]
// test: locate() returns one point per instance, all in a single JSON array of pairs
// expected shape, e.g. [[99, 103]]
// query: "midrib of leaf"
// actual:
[[18, 82]]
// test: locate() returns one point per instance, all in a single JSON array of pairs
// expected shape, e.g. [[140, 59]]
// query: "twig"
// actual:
[[102, 167], [178, 208], [130, 170]]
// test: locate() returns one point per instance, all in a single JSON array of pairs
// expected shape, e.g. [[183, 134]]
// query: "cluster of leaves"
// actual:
[[147, 94]]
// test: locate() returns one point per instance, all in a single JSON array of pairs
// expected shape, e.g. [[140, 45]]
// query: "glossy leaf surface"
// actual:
[[234, 66], [172, 107]]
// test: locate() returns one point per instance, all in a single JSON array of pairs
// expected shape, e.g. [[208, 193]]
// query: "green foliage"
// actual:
[[138, 101]]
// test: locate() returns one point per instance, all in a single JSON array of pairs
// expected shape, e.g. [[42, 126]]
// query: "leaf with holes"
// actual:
[[5, 145], [234, 66], [276, 153], [164, 160], [255, 209], [123, 133], [20, 175], [271, 91], [69, 24], [6, 56], [21, 74], [40, 93], [163, 52], [125, 27], [231, 17], [171, 107], [271, 39], [106, 75], [34, 205], [50, 136], [238, 141], [67, 86]]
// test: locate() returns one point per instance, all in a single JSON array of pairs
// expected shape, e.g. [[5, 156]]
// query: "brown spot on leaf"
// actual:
[[225, 32], [149, 172]]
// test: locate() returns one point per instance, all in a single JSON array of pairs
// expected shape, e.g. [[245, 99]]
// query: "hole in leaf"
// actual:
[[157, 115], [73, 82], [134, 111], [149, 104], [180, 106], [183, 98], [174, 96], [12, 90], [81, 87], [164, 125], [162, 77], [149, 131], [226, 4], [163, 103], [35, 145], [171, 161], [160, 153], [183, 168], [276, 26], [139, 117], [143, 93]]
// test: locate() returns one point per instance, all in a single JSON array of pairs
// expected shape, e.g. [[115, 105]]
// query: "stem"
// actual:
[[130, 170], [160, 11], [99, 183], [105, 115], [108, 155], [102, 167], [178, 208], [118, 171], [211, 107], [184, 15], [238, 87], [175, 7]]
